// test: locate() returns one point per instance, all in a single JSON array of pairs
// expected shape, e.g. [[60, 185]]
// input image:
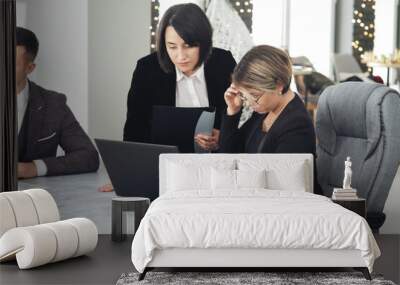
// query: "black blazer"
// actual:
[[49, 123], [152, 86], [292, 132]]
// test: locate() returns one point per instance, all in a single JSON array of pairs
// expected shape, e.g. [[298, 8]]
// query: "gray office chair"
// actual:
[[345, 63], [360, 120]]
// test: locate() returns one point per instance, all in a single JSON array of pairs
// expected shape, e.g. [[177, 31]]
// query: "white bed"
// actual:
[[202, 220]]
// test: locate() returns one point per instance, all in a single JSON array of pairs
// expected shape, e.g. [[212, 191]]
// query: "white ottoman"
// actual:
[[31, 232]]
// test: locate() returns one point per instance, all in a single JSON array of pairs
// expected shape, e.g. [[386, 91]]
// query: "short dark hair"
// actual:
[[192, 25], [27, 39]]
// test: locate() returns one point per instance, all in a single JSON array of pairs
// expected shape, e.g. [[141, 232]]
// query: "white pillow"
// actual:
[[251, 178], [280, 174], [193, 174], [182, 178], [227, 179], [292, 179], [223, 179]]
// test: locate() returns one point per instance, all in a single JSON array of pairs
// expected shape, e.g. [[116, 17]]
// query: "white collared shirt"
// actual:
[[22, 104], [191, 91]]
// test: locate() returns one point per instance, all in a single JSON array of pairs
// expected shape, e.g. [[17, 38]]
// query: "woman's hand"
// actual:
[[208, 142], [106, 188], [233, 100]]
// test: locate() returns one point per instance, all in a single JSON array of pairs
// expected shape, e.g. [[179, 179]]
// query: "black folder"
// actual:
[[178, 125]]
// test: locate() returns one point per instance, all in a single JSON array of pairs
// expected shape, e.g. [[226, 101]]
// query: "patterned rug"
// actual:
[[243, 278]]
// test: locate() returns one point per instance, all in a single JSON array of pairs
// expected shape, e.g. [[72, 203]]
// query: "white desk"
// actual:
[[77, 196], [388, 66]]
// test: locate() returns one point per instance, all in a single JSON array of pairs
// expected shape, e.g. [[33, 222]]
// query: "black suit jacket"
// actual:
[[292, 132], [48, 122], [152, 86]]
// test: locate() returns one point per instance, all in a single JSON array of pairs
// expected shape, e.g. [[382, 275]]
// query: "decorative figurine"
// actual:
[[347, 174]]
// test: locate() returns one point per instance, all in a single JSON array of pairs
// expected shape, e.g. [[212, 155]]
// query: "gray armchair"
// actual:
[[361, 120]]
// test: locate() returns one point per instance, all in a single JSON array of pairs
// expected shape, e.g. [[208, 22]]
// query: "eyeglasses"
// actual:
[[251, 100]]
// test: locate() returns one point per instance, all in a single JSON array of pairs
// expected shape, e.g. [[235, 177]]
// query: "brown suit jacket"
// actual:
[[49, 123]]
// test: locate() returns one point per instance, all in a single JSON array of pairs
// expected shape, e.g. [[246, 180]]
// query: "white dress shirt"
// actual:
[[191, 91], [22, 104]]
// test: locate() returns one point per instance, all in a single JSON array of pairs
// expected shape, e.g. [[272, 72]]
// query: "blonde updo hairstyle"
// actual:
[[263, 68]]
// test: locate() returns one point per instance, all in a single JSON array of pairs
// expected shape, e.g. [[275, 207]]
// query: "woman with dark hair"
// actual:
[[186, 71]]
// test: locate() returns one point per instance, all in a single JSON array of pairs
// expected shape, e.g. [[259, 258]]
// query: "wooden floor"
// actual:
[[110, 260]]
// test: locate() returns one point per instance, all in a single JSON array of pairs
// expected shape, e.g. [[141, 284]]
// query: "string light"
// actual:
[[363, 28], [155, 13]]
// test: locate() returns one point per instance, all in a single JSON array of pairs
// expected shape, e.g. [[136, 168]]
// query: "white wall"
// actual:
[[62, 65], [21, 9], [119, 35], [88, 50]]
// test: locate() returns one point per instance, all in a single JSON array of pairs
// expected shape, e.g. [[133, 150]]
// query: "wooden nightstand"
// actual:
[[358, 205]]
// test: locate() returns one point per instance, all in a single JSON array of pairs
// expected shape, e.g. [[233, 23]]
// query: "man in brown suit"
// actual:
[[46, 122]]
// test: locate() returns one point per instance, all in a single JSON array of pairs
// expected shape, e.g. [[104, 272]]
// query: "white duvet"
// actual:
[[250, 219]]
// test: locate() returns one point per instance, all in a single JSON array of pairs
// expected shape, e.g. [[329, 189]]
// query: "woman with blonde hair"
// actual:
[[280, 122]]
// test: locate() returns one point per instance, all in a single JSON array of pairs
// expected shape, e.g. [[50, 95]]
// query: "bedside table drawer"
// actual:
[[358, 206]]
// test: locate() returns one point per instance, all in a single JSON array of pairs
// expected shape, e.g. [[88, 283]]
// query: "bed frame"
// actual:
[[245, 258]]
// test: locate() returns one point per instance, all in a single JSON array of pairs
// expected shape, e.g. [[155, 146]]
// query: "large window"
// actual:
[[385, 31], [304, 27]]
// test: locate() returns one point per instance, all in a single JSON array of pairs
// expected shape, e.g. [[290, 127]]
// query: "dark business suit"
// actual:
[[48, 122], [152, 86]]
